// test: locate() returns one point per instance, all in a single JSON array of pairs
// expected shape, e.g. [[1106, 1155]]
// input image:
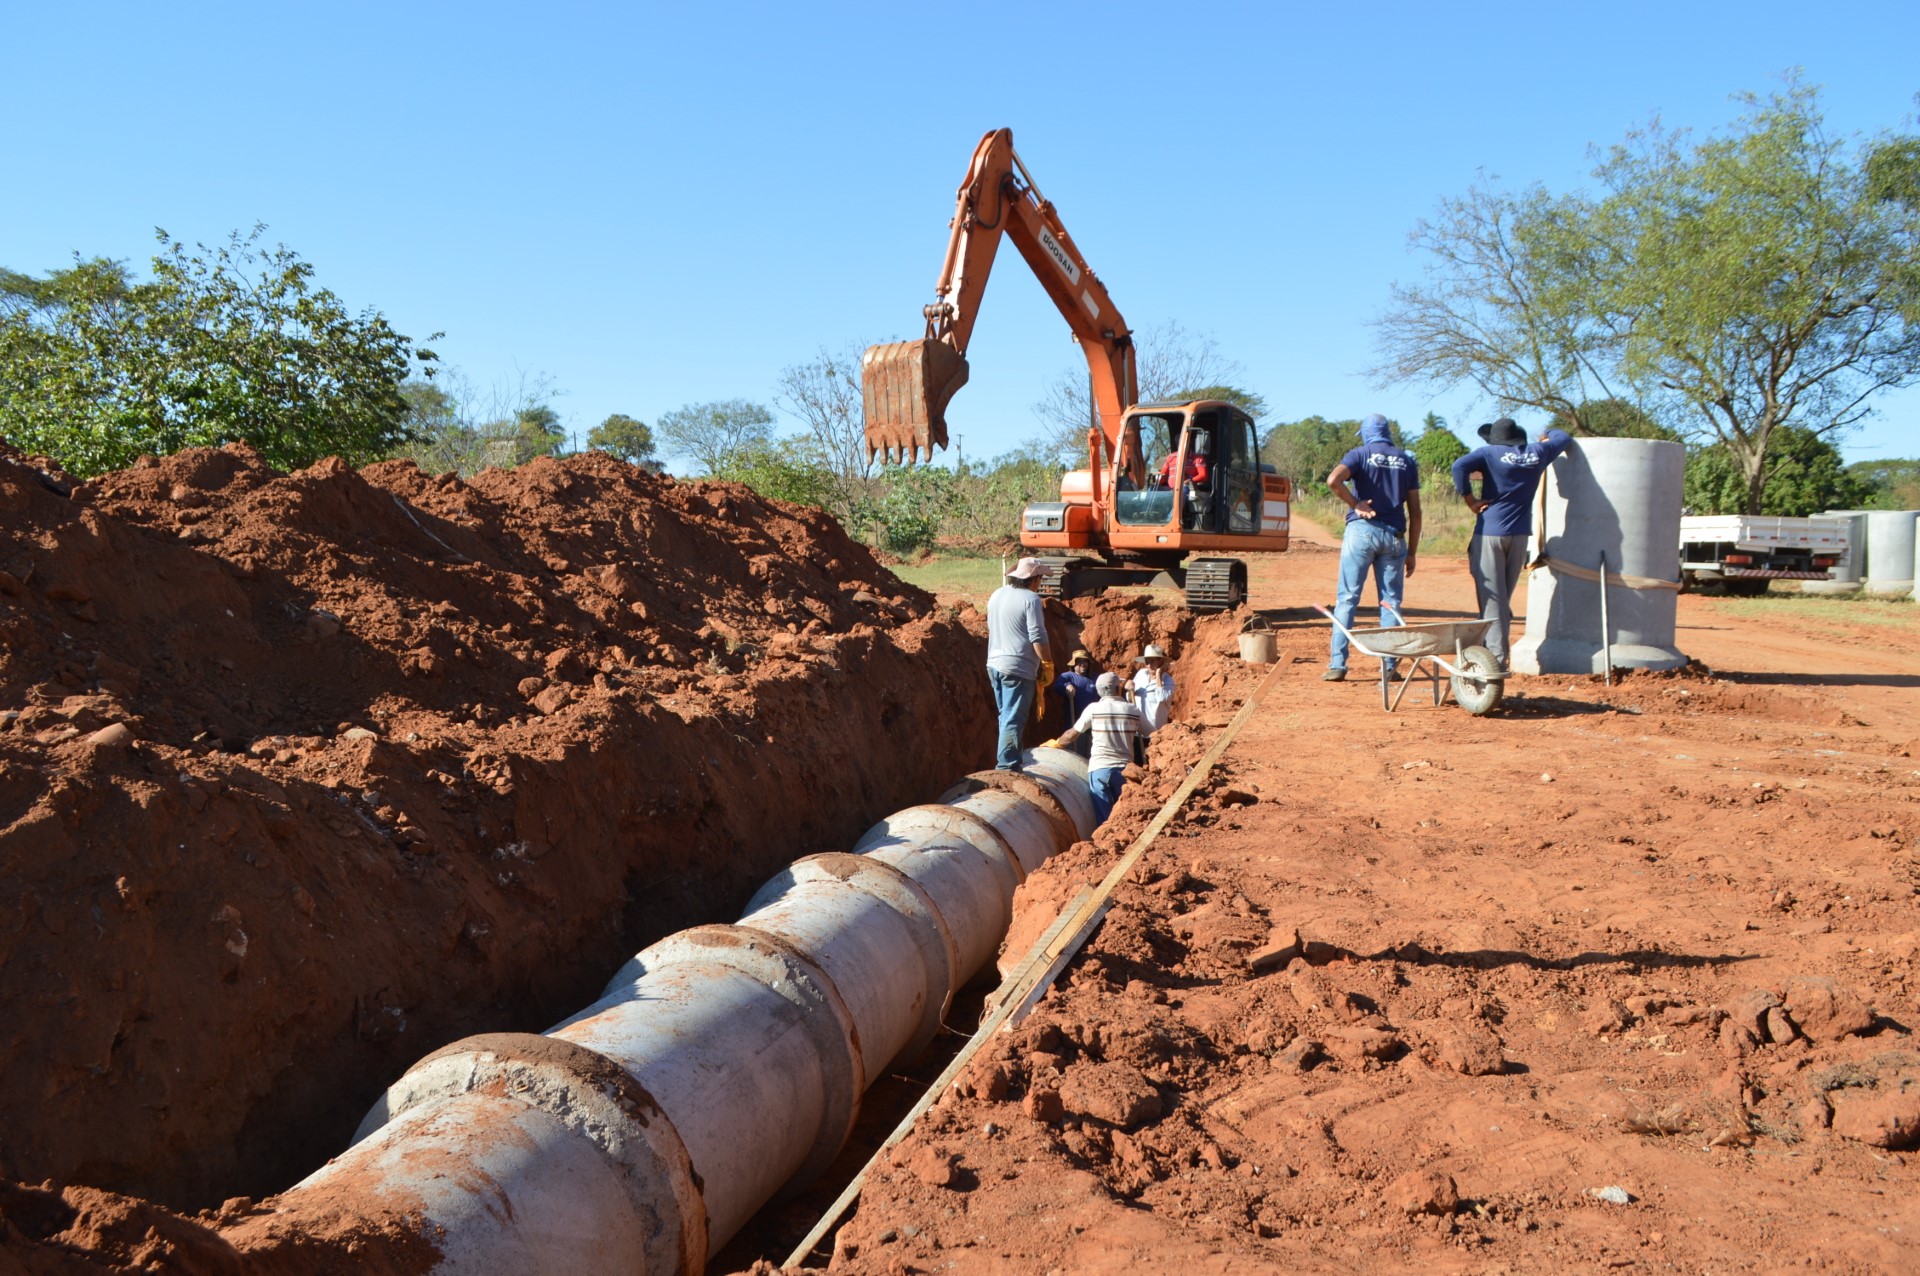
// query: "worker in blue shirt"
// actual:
[[1510, 469], [1075, 687], [1382, 534]]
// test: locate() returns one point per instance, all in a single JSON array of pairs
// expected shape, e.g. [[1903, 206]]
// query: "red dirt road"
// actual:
[[1616, 978]]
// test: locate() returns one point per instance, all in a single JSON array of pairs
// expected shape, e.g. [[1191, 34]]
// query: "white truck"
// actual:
[[1741, 553]]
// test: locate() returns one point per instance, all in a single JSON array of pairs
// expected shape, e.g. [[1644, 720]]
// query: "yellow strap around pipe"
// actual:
[[1612, 578]]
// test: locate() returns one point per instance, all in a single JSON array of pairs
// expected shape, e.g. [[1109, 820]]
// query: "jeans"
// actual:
[[1366, 544], [1013, 697], [1105, 785], [1496, 563]]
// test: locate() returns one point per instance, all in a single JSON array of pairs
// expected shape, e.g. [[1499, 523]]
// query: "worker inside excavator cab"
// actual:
[[1195, 481], [1145, 442]]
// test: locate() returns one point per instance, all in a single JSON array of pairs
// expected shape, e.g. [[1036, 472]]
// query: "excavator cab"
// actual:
[[905, 387]]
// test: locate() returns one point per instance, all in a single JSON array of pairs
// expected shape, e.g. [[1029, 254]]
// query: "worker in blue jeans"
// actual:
[[1382, 532], [1019, 660], [1113, 723]]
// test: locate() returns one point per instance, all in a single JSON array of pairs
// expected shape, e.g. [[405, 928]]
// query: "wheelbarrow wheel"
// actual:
[[1478, 695]]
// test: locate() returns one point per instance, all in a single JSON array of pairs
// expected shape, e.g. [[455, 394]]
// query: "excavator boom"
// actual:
[[906, 385], [1118, 521]]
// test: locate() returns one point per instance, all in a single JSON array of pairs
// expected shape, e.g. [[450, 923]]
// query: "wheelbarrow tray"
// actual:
[[1436, 638]]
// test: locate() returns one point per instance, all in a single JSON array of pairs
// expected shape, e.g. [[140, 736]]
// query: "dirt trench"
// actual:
[[1616, 978], [302, 776]]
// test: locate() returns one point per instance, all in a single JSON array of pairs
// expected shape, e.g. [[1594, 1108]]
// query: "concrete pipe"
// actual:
[[1618, 499], [1846, 574], [720, 1065], [1890, 545]]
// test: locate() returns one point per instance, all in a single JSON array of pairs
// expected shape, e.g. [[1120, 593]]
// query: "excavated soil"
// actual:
[[302, 776], [1615, 977]]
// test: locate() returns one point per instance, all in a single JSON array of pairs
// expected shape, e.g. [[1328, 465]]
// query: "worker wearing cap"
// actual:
[[1510, 469], [1153, 689], [1113, 725], [1075, 687], [1018, 657]]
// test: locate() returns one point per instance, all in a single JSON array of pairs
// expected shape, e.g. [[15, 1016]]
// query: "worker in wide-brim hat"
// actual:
[[1509, 468], [1076, 690], [1153, 689], [1113, 724], [1019, 660]]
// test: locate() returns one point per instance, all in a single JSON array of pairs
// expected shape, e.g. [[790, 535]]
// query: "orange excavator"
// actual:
[[1169, 487]]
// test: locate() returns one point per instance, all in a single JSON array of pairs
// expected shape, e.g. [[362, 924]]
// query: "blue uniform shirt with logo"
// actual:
[[1384, 475], [1510, 474], [1078, 691]]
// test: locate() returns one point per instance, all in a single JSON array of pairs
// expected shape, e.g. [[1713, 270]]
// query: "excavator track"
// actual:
[[1058, 582], [1216, 584]]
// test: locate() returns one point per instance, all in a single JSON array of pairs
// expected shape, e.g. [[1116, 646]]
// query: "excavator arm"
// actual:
[[906, 385]]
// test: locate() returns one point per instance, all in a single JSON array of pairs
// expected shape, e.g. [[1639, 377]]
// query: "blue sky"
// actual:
[[653, 205]]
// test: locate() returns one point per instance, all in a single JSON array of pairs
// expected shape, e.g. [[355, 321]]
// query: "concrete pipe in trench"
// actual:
[[720, 1065]]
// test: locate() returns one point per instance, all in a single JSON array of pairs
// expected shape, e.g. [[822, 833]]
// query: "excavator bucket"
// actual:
[[904, 388]]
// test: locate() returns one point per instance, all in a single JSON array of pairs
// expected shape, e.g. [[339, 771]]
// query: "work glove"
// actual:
[[1046, 674], [1050, 744]]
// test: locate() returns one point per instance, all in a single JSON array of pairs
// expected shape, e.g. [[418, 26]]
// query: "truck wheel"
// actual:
[[1744, 586], [1477, 694]]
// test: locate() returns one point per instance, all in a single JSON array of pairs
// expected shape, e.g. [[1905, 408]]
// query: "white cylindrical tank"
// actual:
[[1846, 574], [1889, 553], [1619, 498]]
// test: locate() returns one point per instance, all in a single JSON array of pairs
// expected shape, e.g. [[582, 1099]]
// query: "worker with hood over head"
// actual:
[[1019, 661], [1510, 469], [1114, 725], [1382, 534]]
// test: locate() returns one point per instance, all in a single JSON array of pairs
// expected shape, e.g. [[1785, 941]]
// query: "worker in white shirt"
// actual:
[[1153, 689]]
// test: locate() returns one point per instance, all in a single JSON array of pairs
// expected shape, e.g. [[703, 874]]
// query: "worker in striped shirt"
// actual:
[[1114, 725]]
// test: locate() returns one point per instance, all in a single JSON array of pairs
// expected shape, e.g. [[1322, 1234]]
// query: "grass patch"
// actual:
[[1835, 609], [950, 577]]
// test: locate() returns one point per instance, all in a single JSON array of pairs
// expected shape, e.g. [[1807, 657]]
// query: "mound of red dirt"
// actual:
[[303, 775]]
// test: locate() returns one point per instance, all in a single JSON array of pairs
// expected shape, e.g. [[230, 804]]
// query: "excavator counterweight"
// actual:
[[905, 387]]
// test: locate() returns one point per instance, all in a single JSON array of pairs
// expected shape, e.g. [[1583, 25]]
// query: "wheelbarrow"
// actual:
[[1473, 675]]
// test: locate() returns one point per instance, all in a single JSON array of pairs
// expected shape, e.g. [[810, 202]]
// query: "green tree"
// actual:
[[1804, 476], [1895, 482], [710, 433], [1437, 449], [1761, 278], [1307, 450], [1500, 308], [227, 344], [824, 393], [534, 431], [622, 436], [1246, 400], [989, 498], [1613, 419], [1732, 287], [916, 504], [779, 470]]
